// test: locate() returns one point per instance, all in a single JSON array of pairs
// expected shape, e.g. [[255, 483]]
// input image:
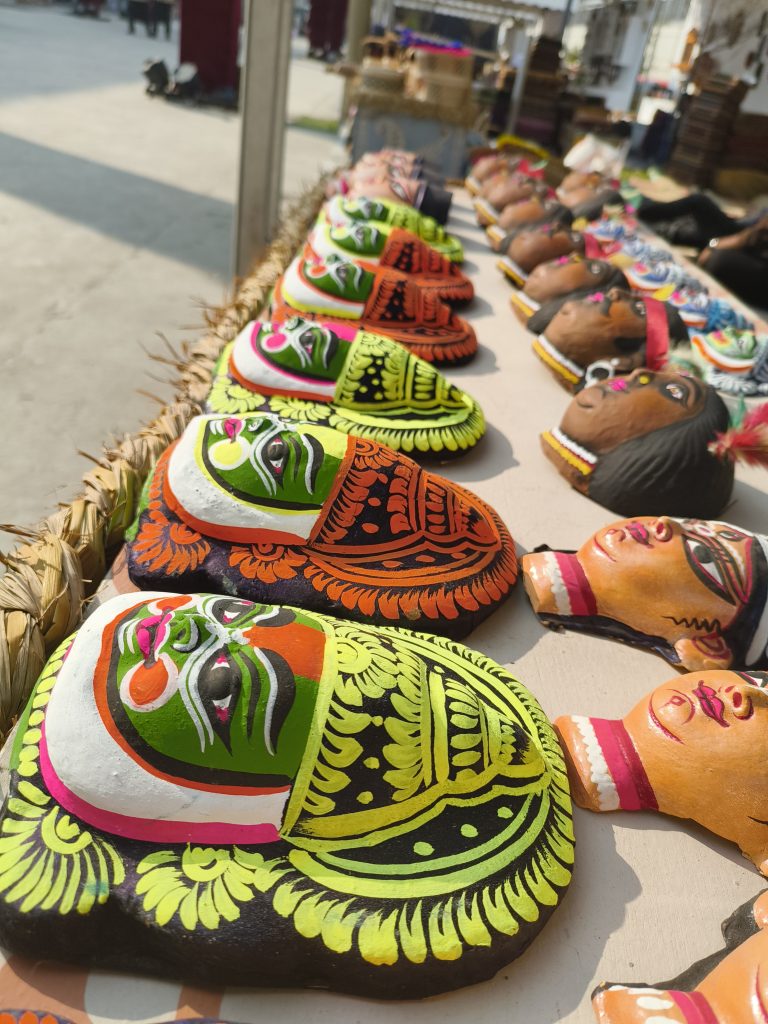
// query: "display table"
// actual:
[[648, 894]]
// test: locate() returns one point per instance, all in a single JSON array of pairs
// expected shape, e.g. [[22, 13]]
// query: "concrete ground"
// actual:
[[115, 225]]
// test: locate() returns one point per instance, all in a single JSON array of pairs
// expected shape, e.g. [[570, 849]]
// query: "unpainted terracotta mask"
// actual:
[[691, 590], [728, 988], [677, 751], [532, 246], [568, 274]]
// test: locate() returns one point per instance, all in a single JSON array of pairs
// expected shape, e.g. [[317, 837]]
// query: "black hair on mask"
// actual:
[[669, 471]]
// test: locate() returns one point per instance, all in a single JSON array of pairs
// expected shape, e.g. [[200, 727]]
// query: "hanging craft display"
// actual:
[[643, 445], [728, 987], [677, 751], [302, 514], [349, 379], [341, 210], [383, 301], [567, 276], [395, 248], [693, 591], [245, 794], [604, 334]]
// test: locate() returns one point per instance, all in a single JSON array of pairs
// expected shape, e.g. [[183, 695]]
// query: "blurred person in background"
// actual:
[[326, 25]]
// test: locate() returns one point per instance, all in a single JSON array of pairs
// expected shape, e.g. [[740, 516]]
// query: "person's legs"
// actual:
[[745, 274], [709, 218], [336, 25], [316, 23]]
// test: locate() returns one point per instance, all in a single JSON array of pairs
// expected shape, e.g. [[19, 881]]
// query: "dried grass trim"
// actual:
[[50, 576]]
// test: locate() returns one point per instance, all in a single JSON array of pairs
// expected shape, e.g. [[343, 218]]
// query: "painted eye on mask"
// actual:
[[218, 687], [704, 562], [638, 307], [276, 456], [307, 341], [675, 392], [595, 269]]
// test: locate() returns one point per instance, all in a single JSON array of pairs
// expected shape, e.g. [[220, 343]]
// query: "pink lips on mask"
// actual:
[[618, 384], [638, 533]]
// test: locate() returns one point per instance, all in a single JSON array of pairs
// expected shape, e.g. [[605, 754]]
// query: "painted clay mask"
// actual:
[[352, 380], [684, 747], [486, 166], [339, 211], [309, 516], [499, 191], [568, 275], [395, 248], [691, 590], [431, 200], [306, 795], [526, 213], [528, 247], [616, 330], [729, 987], [384, 301], [640, 445]]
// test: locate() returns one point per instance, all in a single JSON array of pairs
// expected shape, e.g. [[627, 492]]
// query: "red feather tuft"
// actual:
[[757, 418], [747, 443]]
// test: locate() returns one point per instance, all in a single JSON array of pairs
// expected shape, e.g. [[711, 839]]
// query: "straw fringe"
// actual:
[[49, 578]]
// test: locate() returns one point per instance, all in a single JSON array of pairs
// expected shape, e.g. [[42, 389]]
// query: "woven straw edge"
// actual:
[[49, 578]]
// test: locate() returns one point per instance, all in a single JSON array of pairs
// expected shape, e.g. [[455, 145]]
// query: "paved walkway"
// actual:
[[115, 224]]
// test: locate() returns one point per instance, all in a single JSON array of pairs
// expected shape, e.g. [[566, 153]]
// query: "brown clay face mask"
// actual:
[[640, 445], [532, 246], [677, 751], [569, 274], [691, 590]]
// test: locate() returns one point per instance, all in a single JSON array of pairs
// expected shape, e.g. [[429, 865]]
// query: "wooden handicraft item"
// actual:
[[642, 445], [694, 591], [524, 249], [695, 748], [349, 379], [728, 987], [384, 301], [240, 794], [598, 336], [394, 248], [302, 514], [340, 210], [572, 276]]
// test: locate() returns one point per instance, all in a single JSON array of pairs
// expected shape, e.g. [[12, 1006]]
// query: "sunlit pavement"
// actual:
[[115, 224]]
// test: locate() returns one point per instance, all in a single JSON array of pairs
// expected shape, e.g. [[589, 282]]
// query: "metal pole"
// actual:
[[263, 96], [358, 27]]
